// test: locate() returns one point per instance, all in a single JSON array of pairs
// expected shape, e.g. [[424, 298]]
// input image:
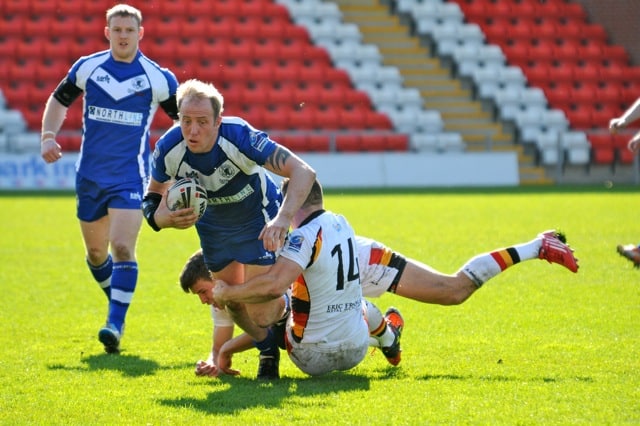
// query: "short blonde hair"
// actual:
[[124, 10], [197, 89]]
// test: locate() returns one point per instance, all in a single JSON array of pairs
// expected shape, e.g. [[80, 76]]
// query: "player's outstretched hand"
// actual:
[[206, 368], [616, 124], [274, 233]]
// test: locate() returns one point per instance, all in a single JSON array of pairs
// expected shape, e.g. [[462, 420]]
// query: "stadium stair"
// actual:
[[426, 72]]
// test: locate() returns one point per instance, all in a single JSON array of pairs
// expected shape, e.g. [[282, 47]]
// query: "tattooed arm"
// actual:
[[301, 176]]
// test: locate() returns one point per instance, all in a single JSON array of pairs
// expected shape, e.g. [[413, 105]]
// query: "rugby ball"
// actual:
[[185, 193]]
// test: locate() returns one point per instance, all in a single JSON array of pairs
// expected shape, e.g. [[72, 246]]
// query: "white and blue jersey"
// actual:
[[120, 101], [242, 197]]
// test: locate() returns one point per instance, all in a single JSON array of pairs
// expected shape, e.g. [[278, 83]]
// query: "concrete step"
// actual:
[[432, 76], [534, 176]]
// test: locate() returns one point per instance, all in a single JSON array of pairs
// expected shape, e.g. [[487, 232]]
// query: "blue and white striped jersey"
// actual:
[[120, 100], [240, 191]]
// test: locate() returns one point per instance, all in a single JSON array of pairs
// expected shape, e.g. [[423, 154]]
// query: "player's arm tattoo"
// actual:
[[278, 158]]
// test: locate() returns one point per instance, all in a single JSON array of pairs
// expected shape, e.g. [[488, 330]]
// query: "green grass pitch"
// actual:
[[536, 345]]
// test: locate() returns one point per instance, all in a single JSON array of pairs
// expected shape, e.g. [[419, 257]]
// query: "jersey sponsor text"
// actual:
[[108, 115]]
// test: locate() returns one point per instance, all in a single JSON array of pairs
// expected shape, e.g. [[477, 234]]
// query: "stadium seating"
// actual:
[[280, 78], [602, 149], [571, 59]]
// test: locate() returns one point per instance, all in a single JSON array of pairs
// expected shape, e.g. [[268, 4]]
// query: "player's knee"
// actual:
[[121, 251]]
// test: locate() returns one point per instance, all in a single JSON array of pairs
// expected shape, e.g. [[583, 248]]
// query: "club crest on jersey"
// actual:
[[295, 243], [227, 171], [139, 84], [257, 142], [192, 175]]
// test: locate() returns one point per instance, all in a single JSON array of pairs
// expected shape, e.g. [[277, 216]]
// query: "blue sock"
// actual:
[[102, 274], [123, 284], [267, 346]]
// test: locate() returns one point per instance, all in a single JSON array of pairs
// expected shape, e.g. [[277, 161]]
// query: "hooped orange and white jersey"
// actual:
[[326, 300]]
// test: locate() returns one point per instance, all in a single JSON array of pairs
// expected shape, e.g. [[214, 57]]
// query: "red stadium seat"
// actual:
[[620, 144], [304, 117], [276, 118], [602, 116], [276, 11], [287, 71], [254, 8], [260, 73], [299, 33], [570, 29], [573, 11], [318, 142], [295, 142], [585, 93], [609, 93], [558, 95], [256, 95], [397, 142], [327, 119], [474, 11], [616, 54], [172, 8], [200, 8], [247, 29], [542, 51], [15, 7], [66, 27], [193, 28], [242, 50], [315, 74], [348, 143], [275, 29], [567, 50], [255, 116], [336, 76], [378, 120], [292, 50], [69, 142], [284, 95], [538, 74], [612, 73], [353, 118], [580, 118], [357, 99], [594, 33], [307, 94], [591, 52], [518, 54], [373, 142], [27, 50], [602, 148], [331, 97]]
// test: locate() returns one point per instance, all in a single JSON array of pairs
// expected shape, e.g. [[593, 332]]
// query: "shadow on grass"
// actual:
[[128, 365], [234, 394]]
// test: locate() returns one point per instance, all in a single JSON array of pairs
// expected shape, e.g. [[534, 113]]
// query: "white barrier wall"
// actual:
[[415, 170], [375, 170]]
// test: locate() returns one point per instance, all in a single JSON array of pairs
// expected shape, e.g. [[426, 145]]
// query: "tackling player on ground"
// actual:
[[384, 270], [330, 324]]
